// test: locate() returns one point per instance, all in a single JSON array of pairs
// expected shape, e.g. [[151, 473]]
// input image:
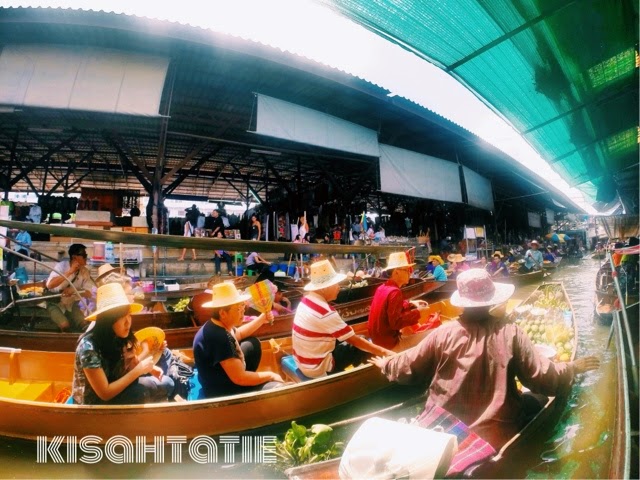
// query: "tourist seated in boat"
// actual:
[[391, 316], [256, 264], [469, 366], [457, 264], [219, 255], [533, 259], [66, 312], [110, 366], [439, 275], [322, 342], [226, 355], [548, 256], [497, 267]]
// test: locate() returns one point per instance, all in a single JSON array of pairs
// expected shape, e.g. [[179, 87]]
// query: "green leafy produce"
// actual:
[[303, 445]]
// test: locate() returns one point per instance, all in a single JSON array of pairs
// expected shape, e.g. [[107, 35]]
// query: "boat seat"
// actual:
[[291, 370], [21, 390]]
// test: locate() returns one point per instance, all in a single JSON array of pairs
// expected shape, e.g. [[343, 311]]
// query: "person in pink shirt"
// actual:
[[469, 366]]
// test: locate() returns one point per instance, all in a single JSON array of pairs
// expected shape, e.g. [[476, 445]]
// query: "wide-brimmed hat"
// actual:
[[476, 289], [534, 242], [322, 275], [498, 253], [456, 258], [104, 270], [436, 258], [398, 260], [225, 294], [111, 296]]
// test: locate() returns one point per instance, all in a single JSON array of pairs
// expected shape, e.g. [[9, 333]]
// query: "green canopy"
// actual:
[[563, 73]]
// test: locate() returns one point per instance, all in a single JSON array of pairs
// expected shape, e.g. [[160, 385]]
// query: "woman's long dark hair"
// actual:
[[106, 342]]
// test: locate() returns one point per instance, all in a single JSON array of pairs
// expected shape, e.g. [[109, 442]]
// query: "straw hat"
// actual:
[[436, 258], [322, 275], [498, 253], [398, 260], [476, 289], [104, 270], [456, 258], [112, 296], [225, 294]]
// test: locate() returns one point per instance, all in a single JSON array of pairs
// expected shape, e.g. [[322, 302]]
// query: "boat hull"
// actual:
[[180, 329]]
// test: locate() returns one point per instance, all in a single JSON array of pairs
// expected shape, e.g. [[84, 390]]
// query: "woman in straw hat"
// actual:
[[469, 367], [439, 275], [226, 356], [497, 266], [457, 264], [317, 328], [107, 368], [390, 312]]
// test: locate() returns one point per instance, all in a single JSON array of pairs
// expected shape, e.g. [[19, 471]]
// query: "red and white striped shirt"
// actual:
[[316, 327]]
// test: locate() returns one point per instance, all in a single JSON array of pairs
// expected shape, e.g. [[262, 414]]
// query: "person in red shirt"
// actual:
[[390, 313]]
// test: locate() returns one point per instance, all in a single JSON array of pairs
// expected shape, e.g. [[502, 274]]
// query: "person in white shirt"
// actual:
[[322, 342], [66, 313]]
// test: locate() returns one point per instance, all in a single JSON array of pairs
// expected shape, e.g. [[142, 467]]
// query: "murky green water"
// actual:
[[578, 447]]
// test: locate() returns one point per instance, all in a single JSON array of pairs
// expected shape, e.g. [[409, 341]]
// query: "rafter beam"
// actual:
[[183, 162]]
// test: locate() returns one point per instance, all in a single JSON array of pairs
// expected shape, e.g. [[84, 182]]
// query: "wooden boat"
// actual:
[[493, 468], [598, 255], [549, 265], [31, 380], [606, 298], [517, 279], [180, 328]]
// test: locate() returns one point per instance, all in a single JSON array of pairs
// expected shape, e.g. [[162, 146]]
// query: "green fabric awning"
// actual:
[[563, 73]]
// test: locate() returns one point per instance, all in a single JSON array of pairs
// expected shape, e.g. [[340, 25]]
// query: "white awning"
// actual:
[[479, 191], [404, 172], [280, 119], [81, 78]]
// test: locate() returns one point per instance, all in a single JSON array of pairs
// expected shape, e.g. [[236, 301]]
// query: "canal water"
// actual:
[[578, 446]]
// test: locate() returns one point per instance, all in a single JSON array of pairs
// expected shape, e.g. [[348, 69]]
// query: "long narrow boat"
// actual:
[[606, 298], [31, 380], [180, 329], [517, 279], [495, 467]]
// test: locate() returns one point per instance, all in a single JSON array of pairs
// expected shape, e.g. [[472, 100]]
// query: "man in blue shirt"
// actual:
[[533, 258]]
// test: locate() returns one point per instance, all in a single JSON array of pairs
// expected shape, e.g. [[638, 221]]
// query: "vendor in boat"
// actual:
[[66, 312], [469, 366], [439, 275], [497, 267], [533, 259], [317, 328], [226, 356], [110, 366], [391, 317]]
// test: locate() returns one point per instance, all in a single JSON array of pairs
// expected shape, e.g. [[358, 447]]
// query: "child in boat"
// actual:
[[317, 328], [108, 369], [469, 366], [226, 356], [391, 316]]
